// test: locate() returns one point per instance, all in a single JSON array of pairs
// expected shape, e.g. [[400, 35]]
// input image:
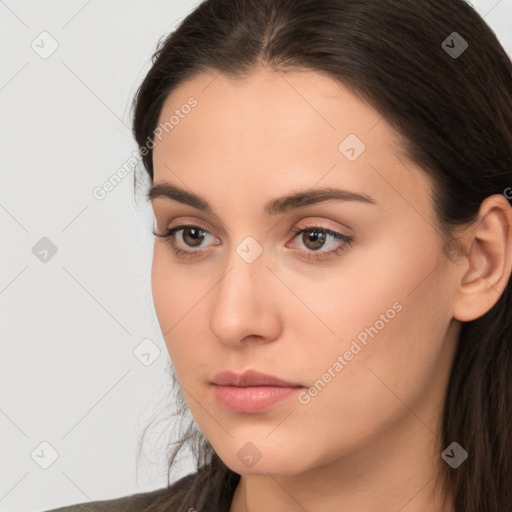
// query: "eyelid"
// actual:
[[321, 223], [171, 231], [187, 222]]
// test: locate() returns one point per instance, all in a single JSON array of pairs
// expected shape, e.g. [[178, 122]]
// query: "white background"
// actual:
[[68, 374]]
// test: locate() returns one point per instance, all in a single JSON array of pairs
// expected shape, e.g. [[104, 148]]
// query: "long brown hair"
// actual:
[[454, 112]]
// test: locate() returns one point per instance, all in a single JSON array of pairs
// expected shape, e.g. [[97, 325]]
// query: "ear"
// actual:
[[485, 269]]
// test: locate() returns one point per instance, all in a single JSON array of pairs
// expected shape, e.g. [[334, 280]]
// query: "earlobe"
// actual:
[[487, 266]]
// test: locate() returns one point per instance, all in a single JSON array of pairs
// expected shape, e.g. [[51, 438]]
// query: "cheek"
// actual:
[[180, 301], [362, 288], [388, 308], [176, 291]]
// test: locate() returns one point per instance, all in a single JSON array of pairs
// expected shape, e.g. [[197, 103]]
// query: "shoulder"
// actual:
[[131, 503]]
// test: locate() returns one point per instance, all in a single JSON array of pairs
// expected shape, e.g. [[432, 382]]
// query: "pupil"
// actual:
[[315, 236], [194, 236]]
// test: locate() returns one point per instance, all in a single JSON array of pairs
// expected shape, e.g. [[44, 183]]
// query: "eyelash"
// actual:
[[345, 241]]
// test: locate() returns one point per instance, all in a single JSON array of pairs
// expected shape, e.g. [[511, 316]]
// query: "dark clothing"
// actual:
[[215, 500]]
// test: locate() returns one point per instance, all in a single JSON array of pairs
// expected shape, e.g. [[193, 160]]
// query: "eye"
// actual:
[[314, 238], [192, 235]]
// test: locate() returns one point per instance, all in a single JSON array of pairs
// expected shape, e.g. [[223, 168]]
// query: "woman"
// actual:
[[331, 273]]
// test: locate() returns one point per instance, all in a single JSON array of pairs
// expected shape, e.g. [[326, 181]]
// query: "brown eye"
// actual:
[[193, 236], [315, 237]]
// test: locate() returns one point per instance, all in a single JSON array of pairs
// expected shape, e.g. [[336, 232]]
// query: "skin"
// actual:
[[370, 439]]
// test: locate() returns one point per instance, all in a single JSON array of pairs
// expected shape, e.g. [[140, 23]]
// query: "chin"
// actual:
[[259, 458]]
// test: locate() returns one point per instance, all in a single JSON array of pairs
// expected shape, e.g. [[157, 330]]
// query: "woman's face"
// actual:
[[363, 324]]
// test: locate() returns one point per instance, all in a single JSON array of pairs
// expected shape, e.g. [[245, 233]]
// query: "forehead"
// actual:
[[273, 127], [268, 103]]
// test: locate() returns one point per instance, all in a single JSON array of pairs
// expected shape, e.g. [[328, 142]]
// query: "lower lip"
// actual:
[[252, 399]]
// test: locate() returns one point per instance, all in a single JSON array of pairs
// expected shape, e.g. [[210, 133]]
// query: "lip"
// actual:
[[250, 378], [251, 391]]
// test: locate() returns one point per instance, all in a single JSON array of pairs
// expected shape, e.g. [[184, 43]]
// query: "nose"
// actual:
[[244, 308]]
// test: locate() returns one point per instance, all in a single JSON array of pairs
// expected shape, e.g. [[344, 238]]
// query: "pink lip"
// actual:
[[251, 391]]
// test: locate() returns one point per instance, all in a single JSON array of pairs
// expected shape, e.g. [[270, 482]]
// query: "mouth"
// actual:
[[251, 391]]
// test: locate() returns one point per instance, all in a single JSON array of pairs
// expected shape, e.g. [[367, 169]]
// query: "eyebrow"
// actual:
[[275, 206]]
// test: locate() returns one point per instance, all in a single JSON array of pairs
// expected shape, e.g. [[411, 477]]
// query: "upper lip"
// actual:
[[250, 378]]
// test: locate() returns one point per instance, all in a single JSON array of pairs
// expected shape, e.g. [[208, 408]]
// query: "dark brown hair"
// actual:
[[455, 116]]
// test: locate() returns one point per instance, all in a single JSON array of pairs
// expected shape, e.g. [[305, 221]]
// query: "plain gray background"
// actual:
[[83, 364]]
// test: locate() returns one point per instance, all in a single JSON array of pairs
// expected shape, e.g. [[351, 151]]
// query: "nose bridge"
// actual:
[[242, 303], [246, 267]]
